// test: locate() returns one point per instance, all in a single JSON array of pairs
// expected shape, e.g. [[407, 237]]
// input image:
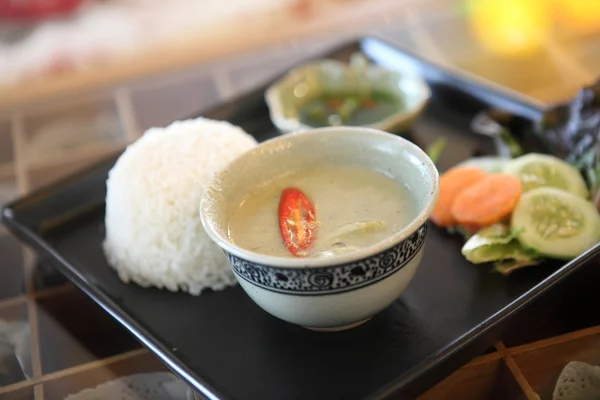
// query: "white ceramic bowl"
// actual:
[[325, 293]]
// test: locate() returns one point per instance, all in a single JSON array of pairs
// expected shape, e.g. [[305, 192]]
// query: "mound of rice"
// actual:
[[154, 235]]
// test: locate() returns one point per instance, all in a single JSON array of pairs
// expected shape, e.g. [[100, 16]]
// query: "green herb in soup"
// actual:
[[333, 109], [321, 212]]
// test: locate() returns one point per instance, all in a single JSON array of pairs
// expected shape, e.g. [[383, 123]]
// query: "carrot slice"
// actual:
[[489, 201], [452, 183]]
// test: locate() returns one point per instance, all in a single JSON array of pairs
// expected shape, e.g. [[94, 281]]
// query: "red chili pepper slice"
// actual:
[[334, 103], [297, 219], [369, 104]]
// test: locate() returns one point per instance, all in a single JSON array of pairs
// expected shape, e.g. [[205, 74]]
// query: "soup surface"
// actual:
[[333, 109], [347, 208]]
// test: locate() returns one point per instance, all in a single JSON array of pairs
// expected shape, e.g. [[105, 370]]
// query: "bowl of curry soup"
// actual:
[[324, 228]]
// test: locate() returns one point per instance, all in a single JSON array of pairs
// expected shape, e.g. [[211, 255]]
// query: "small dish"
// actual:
[[403, 96], [325, 293]]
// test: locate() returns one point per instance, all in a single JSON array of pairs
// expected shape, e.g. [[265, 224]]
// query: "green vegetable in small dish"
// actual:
[[350, 109], [358, 93]]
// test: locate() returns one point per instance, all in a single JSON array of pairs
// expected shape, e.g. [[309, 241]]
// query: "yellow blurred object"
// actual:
[[511, 27], [581, 16]]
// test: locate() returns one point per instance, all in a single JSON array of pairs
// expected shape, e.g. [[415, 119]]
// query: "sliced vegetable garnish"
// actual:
[[536, 170], [297, 220], [335, 251], [507, 266], [490, 164], [488, 201], [493, 234], [497, 244], [359, 227], [452, 183], [556, 223]]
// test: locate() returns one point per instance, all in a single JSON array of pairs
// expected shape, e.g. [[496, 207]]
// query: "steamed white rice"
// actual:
[[154, 236]]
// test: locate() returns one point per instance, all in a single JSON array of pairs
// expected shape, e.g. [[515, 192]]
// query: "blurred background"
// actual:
[[544, 48], [80, 78]]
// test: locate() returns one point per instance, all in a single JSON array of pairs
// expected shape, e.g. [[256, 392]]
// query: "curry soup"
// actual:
[[320, 212]]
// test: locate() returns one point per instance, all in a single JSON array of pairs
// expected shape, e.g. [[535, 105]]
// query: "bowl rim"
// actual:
[[346, 258], [273, 98]]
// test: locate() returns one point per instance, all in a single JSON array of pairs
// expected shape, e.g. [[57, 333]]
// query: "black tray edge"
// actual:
[[480, 88], [444, 362], [28, 236], [490, 328]]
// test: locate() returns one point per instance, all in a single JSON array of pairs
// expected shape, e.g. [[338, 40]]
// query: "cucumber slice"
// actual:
[[556, 223], [536, 170], [491, 164]]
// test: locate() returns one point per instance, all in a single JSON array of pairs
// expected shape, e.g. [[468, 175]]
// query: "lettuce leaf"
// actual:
[[498, 244]]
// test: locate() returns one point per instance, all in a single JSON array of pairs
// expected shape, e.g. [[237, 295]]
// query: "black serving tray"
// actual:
[[228, 348]]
